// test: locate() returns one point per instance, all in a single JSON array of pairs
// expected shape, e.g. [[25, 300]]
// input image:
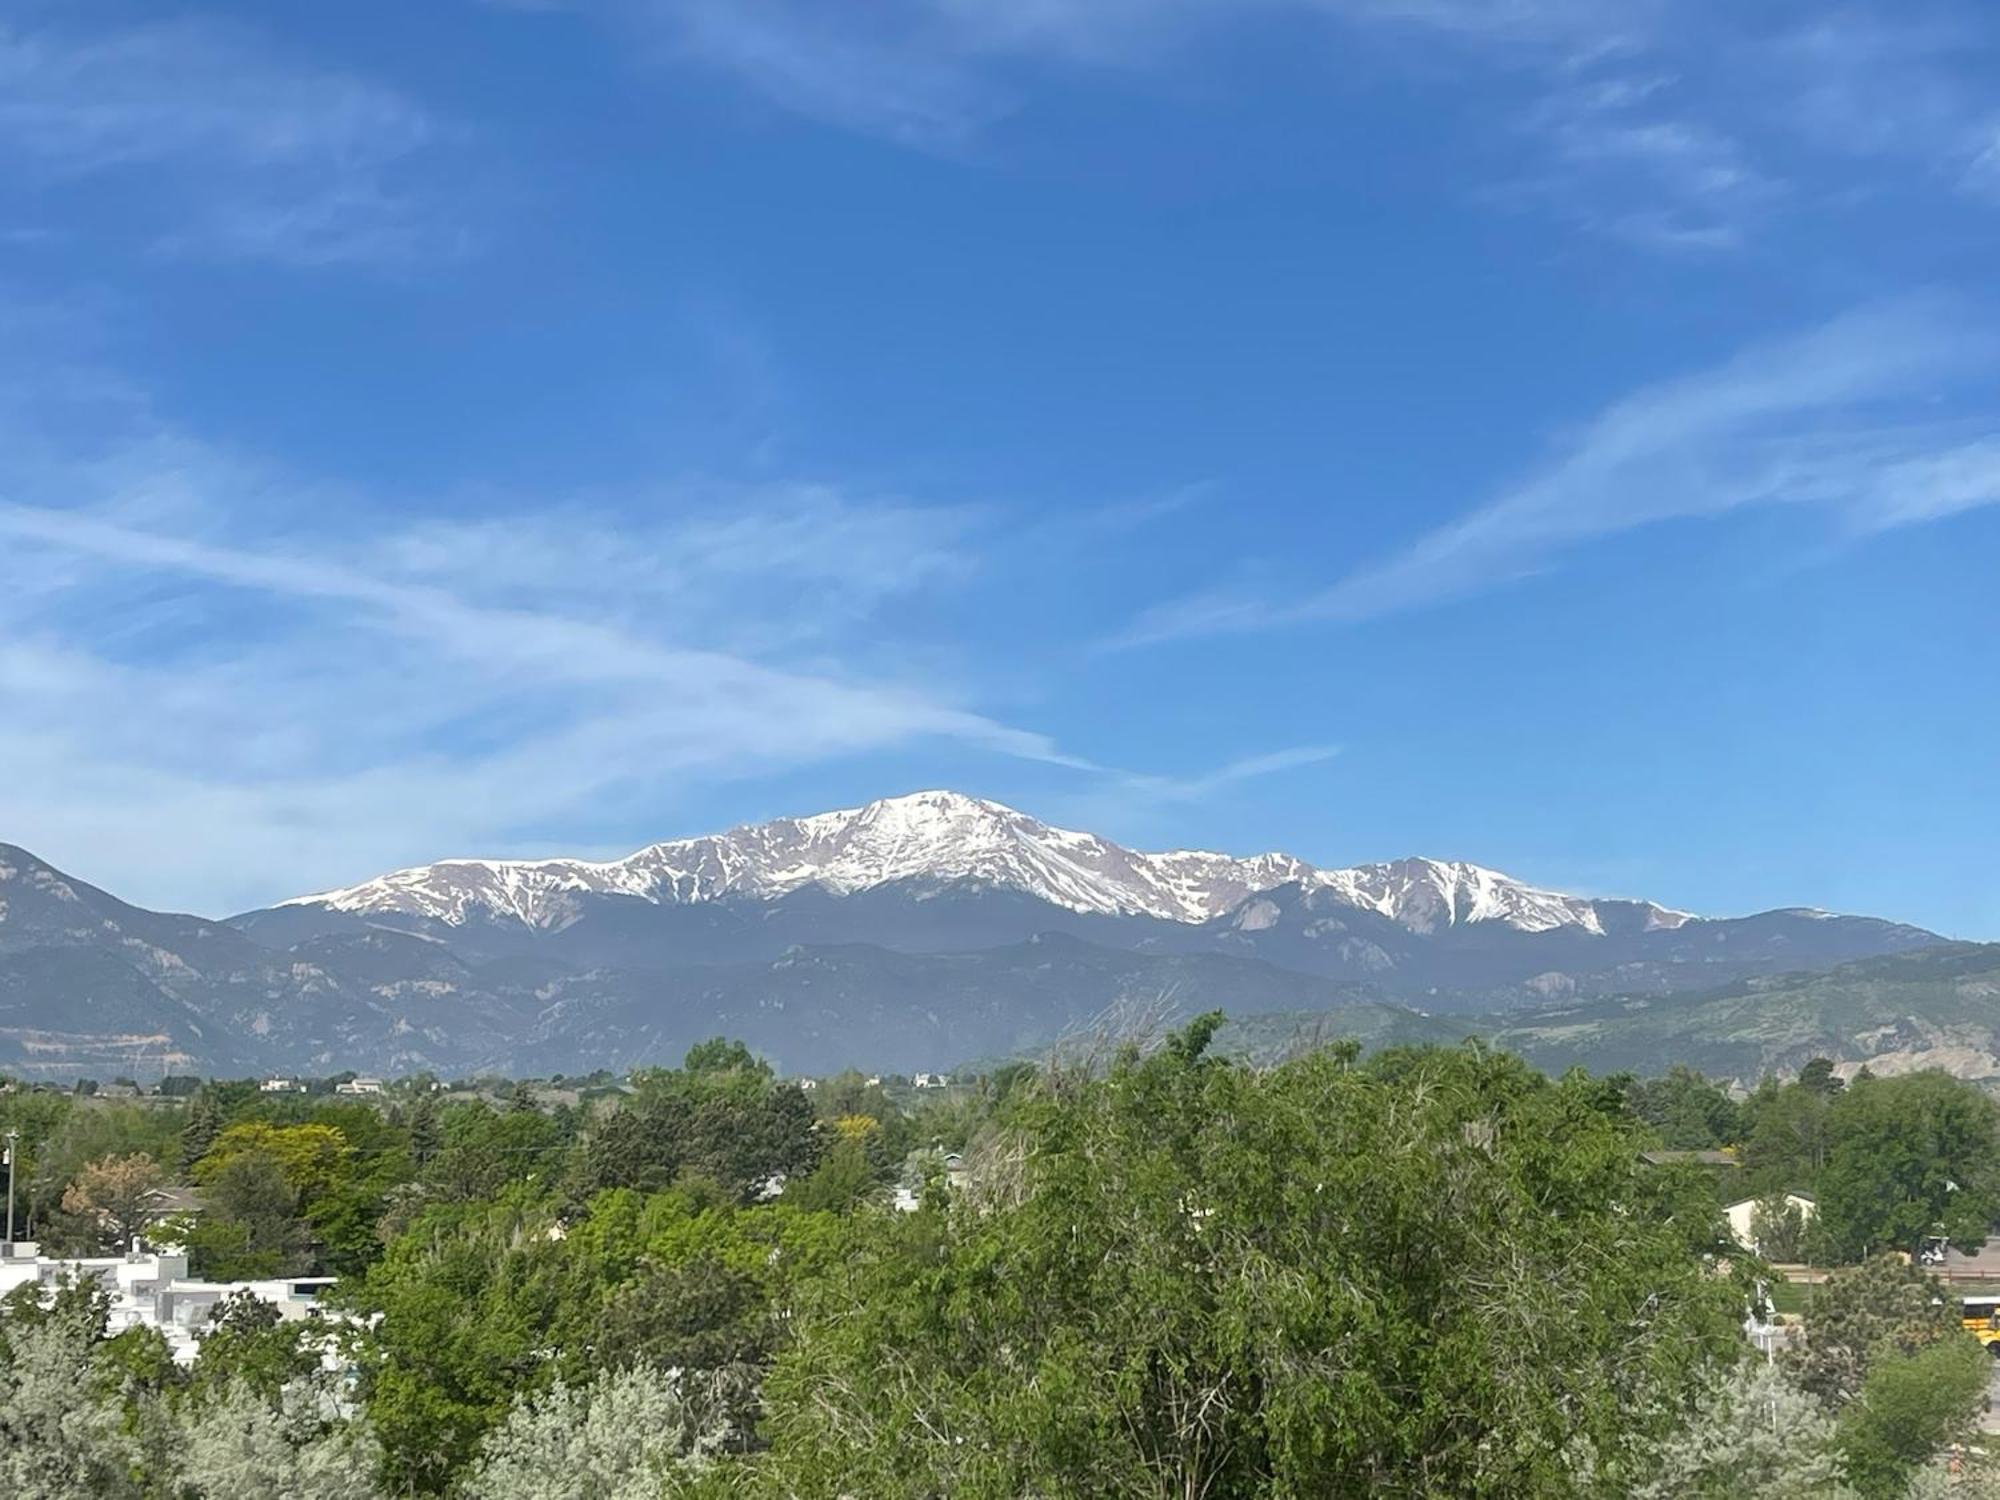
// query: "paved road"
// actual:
[[1984, 1266]]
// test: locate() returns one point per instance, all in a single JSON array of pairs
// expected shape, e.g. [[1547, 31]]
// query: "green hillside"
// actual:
[[1936, 1008], [1271, 1038]]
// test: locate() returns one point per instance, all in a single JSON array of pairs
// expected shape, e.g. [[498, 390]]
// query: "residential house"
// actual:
[[1742, 1217], [151, 1289]]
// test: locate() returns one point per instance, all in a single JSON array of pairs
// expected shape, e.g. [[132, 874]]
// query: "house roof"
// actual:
[[1760, 1197], [1723, 1158], [175, 1198]]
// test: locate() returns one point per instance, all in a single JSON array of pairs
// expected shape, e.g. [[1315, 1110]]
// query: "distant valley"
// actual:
[[912, 933]]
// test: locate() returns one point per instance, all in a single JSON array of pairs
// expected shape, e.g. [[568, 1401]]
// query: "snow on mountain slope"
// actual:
[[1426, 895], [945, 836]]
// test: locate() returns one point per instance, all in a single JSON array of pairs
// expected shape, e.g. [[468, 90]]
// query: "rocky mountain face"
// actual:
[[1937, 1008], [927, 1010], [92, 985], [908, 934]]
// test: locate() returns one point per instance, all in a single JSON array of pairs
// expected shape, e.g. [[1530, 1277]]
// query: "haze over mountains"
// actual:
[[911, 933]]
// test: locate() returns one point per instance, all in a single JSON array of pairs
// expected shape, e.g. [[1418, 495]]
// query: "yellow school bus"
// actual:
[[1981, 1317]]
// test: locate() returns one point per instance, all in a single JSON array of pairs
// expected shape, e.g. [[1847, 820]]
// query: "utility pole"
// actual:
[[13, 1146]]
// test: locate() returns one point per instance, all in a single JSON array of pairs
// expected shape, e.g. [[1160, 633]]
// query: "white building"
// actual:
[[282, 1086], [931, 1080], [1742, 1216], [359, 1086], [152, 1289]]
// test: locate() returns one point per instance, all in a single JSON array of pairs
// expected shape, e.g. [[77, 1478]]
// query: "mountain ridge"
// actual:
[[948, 836], [907, 934]]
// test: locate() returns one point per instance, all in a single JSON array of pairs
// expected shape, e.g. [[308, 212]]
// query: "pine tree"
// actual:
[[426, 1133], [204, 1124]]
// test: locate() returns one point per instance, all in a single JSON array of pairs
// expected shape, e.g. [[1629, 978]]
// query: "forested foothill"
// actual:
[[1138, 1270]]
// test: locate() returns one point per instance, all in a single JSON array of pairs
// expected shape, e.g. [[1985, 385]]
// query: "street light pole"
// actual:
[[13, 1148]]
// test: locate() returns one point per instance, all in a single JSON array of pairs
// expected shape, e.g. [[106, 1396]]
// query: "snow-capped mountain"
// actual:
[[942, 837], [908, 934]]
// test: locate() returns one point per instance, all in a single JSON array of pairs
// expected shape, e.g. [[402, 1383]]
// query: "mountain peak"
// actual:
[[938, 837]]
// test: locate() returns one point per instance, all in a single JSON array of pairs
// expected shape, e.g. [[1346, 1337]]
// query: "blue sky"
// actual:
[[1551, 434]]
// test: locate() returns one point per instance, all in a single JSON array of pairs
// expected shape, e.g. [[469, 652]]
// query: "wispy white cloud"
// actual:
[[1675, 130], [1621, 157], [1148, 808], [759, 567], [1902, 84], [1838, 419], [223, 681], [220, 682], [1199, 787], [1930, 487], [244, 152], [916, 90], [357, 708], [932, 74]]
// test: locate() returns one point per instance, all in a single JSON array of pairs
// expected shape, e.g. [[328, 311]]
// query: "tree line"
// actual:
[[1429, 1271]]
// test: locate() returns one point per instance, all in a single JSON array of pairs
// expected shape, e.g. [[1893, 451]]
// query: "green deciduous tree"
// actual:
[[1907, 1157], [481, 1304], [467, 1299], [483, 1151], [1778, 1227], [1910, 1407], [247, 1346], [252, 1226], [312, 1156], [844, 1176], [723, 1055], [698, 1314], [732, 1125], [1688, 1111], [1444, 1275], [1784, 1132]]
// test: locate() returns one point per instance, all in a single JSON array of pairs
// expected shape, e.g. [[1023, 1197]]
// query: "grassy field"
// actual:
[[1789, 1297]]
